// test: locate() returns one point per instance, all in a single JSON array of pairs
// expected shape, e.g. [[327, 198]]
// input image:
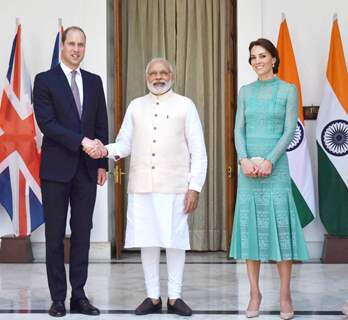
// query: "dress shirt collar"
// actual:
[[67, 71]]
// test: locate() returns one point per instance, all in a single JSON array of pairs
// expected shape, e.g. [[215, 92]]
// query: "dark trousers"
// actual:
[[81, 193]]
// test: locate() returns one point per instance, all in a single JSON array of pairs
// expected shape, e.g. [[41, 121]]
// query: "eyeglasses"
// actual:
[[162, 73]]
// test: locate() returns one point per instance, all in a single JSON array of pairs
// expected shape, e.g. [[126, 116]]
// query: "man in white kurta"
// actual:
[[162, 133]]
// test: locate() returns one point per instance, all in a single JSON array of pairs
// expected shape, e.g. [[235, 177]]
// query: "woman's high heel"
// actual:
[[252, 314], [286, 315]]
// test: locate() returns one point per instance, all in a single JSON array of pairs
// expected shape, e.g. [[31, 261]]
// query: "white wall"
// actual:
[[309, 24], [39, 20]]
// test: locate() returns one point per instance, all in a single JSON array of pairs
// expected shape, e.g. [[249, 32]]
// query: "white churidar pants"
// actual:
[[150, 258]]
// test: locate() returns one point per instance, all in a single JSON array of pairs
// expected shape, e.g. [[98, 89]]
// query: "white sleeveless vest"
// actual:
[[160, 159]]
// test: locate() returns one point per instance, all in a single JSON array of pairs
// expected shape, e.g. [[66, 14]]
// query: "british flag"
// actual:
[[57, 47], [20, 192]]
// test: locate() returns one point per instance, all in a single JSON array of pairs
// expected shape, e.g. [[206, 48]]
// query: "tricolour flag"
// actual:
[[57, 47], [332, 141], [297, 152], [20, 192]]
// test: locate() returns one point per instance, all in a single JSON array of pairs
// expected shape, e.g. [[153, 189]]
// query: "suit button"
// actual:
[[157, 103], [153, 154], [156, 114], [153, 167], [154, 141], [154, 128]]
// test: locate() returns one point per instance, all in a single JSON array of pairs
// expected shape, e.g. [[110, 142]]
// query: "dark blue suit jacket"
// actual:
[[57, 117]]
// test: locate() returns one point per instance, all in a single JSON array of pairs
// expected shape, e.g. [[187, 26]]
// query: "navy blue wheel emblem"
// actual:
[[334, 137], [298, 137]]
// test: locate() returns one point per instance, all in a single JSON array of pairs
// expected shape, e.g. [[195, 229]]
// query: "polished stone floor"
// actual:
[[214, 287]]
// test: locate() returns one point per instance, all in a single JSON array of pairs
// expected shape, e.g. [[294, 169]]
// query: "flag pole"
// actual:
[[18, 22], [60, 23], [334, 17]]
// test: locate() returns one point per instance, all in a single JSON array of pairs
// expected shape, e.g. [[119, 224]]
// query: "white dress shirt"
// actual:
[[67, 71]]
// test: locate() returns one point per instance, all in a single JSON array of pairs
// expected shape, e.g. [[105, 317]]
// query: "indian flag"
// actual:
[[332, 141], [298, 153]]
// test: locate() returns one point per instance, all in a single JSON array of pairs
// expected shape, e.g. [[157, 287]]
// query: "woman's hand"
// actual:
[[265, 168], [249, 168]]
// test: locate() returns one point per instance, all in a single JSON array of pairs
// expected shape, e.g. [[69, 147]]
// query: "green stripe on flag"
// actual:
[[333, 197], [304, 213]]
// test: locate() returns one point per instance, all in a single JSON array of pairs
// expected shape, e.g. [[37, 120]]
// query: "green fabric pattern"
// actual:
[[266, 224]]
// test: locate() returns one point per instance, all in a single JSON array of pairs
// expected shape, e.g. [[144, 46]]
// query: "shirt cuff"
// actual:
[[113, 152], [195, 186]]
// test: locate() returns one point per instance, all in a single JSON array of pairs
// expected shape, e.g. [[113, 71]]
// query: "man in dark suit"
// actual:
[[70, 109]]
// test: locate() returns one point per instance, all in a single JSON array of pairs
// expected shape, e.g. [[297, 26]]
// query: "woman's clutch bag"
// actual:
[[257, 160]]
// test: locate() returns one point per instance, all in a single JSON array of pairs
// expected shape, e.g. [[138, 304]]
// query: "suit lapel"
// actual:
[[86, 92]]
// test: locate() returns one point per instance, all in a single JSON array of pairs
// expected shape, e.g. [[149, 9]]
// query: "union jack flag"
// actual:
[[57, 48], [20, 192]]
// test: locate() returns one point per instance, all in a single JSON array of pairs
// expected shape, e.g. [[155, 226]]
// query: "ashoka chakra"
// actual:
[[334, 137], [298, 137]]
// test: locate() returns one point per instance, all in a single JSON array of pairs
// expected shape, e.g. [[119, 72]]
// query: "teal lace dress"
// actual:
[[266, 223]]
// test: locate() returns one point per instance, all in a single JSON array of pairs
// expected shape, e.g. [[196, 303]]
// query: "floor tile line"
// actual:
[[200, 312]]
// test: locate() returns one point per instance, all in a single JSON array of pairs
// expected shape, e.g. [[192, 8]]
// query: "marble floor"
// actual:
[[214, 287]]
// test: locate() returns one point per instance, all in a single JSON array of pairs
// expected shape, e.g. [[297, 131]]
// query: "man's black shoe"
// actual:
[[84, 307], [57, 309], [179, 307], [147, 307]]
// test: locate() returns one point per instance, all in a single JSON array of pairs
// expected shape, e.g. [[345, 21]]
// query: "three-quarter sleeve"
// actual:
[[289, 126]]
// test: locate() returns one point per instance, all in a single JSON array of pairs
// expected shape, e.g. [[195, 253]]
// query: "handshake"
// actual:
[[94, 148]]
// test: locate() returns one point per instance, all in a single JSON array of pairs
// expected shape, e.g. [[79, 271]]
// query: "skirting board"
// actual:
[[99, 251]]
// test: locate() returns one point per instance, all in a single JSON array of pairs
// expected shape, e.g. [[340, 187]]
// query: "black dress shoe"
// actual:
[[147, 307], [57, 309], [84, 307], [179, 307]]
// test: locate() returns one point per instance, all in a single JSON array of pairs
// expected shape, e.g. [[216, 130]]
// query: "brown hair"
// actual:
[[66, 31], [269, 46]]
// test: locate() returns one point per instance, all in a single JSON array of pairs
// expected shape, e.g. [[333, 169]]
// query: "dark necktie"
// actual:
[[76, 93]]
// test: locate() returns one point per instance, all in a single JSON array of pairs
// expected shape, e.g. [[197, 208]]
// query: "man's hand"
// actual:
[[94, 148], [191, 201], [101, 178], [87, 144], [249, 168]]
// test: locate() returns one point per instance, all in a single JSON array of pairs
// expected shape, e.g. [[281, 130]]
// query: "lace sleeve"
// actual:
[[239, 128], [289, 126]]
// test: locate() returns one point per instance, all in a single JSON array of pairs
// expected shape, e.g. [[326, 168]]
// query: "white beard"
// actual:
[[159, 88]]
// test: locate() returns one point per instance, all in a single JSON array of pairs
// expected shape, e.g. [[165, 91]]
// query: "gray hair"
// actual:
[[162, 60]]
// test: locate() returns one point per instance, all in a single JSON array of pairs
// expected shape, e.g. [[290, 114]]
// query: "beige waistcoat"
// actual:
[[160, 159]]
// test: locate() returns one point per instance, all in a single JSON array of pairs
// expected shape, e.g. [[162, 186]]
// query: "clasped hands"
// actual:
[[94, 148], [253, 170]]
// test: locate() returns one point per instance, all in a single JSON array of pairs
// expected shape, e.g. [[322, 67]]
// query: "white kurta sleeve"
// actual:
[[196, 145], [123, 144]]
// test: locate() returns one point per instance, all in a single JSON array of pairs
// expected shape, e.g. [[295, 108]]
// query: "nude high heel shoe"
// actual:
[[345, 308], [252, 314], [286, 315]]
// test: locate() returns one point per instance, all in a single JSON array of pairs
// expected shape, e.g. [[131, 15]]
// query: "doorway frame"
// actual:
[[230, 108]]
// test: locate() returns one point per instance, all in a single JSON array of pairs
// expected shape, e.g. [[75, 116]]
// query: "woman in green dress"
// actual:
[[266, 224]]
